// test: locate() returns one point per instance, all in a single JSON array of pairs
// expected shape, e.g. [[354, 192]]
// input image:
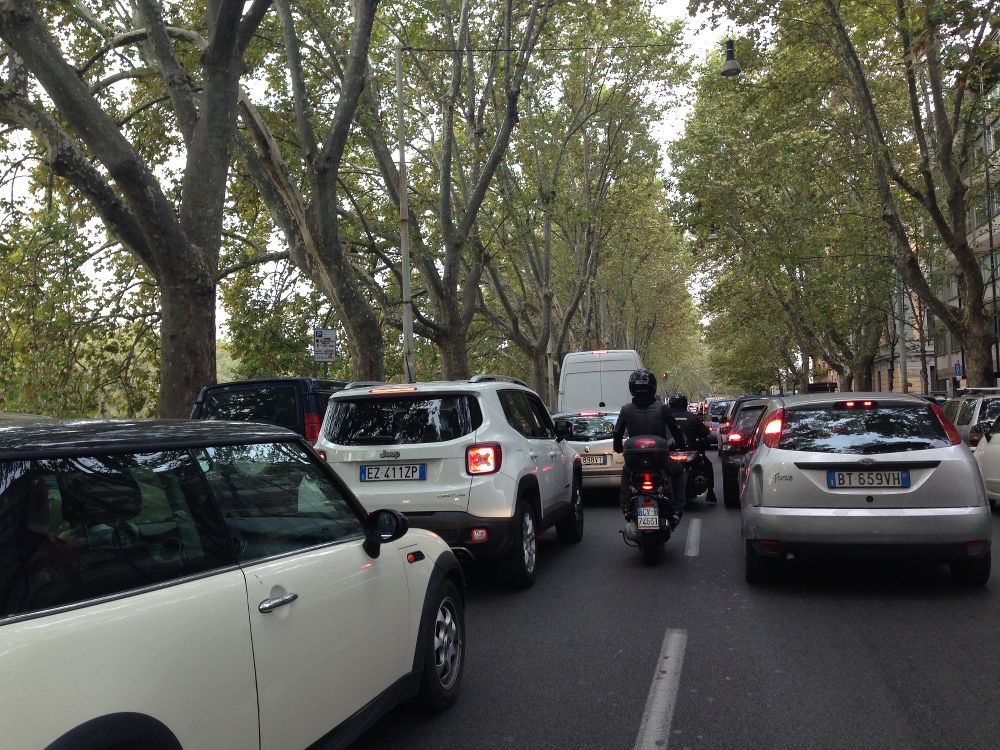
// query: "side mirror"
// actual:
[[384, 525], [985, 429], [564, 430]]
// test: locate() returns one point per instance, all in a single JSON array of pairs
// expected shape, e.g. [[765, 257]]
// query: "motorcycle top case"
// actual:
[[647, 452]]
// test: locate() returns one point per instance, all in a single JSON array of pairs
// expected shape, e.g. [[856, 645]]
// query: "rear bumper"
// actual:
[[919, 531], [455, 528], [602, 477]]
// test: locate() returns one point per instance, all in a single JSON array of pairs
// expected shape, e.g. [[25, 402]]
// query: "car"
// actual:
[[862, 475], [715, 412], [297, 403], [972, 408], [596, 380], [987, 454], [198, 584], [735, 440], [590, 435], [477, 461]]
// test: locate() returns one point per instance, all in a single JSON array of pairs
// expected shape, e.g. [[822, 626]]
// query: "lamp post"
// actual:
[[409, 364]]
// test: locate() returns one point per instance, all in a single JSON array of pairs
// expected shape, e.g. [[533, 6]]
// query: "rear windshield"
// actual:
[[587, 429], [990, 410], [718, 409], [883, 429], [402, 420], [273, 404], [747, 418]]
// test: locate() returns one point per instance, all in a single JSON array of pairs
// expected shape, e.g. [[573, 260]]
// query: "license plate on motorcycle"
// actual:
[[647, 517]]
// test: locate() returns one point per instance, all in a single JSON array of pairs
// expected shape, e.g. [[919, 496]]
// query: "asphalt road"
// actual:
[[833, 655]]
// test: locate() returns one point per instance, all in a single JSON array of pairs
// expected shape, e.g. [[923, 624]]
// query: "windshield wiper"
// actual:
[[374, 440]]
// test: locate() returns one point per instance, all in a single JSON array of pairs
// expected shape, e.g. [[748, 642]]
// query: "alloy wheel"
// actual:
[[447, 643]]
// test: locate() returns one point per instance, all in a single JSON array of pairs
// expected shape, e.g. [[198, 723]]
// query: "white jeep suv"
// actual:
[[478, 462]]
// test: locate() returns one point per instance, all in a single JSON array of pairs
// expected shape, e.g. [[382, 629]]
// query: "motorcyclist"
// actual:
[[646, 415], [698, 438]]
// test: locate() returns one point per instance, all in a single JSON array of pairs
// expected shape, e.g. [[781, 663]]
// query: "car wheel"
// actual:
[[444, 657], [974, 572], [522, 558], [730, 490], [570, 529], [759, 569]]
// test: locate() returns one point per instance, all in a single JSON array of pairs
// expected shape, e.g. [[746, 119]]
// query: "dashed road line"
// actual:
[[693, 543], [654, 731]]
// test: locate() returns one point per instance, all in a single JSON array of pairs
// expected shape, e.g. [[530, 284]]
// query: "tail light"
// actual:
[[949, 429], [773, 427], [312, 426], [322, 455], [866, 404], [647, 482], [644, 442], [483, 458], [734, 437]]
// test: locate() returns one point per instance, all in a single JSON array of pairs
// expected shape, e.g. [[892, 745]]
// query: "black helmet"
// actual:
[[678, 402], [642, 383]]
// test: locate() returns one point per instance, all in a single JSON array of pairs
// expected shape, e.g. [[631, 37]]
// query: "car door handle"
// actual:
[[532, 454], [269, 605], [553, 454]]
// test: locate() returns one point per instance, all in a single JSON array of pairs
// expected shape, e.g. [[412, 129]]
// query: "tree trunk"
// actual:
[[454, 355], [976, 341], [187, 356], [539, 373], [863, 374]]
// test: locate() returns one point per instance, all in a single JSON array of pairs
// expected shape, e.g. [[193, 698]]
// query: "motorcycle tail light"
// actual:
[[647, 482]]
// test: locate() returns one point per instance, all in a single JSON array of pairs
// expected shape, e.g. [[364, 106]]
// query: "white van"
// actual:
[[596, 380]]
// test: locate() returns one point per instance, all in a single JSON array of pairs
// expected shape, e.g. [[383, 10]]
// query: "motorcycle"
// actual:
[[696, 469], [650, 517]]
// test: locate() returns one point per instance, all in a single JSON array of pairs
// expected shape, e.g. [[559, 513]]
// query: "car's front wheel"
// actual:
[[974, 572], [570, 529], [444, 656]]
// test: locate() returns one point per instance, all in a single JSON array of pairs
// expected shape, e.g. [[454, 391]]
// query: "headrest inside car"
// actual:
[[99, 498]]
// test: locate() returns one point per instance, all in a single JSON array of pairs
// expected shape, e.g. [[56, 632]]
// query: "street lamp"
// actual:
[[731, 67]]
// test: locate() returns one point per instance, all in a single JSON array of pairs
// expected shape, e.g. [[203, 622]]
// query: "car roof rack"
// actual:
[[488, 377], [363, 384]]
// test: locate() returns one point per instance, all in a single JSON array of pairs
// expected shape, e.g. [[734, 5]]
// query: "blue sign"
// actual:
[[958, 369]]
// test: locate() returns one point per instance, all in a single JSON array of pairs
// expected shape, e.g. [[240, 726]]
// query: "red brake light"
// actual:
[[483, 459], [642, 442], [599, 351], [589, 414], [312, 427], [772, 430], [734, 437], [949, 429], [647, 482]]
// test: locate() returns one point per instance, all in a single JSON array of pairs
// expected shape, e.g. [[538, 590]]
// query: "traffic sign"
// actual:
[[325, 345]]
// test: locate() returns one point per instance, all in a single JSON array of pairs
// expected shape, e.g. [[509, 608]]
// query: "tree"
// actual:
[[175, 230], [928, 58]]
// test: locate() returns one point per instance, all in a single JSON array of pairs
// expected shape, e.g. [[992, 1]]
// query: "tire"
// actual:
[[759, 569], [570, 529], [730, 490], [975, 572], [650, 549], [444, 657], [522, 558]]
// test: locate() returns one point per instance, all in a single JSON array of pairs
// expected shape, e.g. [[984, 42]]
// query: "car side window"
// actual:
[[275, 499], [73, 529], [965, 413], [543, 420], [518, 412]]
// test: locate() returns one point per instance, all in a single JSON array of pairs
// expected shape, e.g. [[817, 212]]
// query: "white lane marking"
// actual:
[[654, 731], [693, 538]]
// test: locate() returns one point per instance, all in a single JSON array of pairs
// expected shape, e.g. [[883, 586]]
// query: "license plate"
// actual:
[[647, 517], [836, 480], [594, 460], [393, 472]]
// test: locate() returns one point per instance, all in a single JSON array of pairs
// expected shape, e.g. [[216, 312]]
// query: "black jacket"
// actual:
[[695, 432], [647, 416]]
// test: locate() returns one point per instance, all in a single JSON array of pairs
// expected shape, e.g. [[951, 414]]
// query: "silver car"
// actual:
[[862, 475], [592, 438]]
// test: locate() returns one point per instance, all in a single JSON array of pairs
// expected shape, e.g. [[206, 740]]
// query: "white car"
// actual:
[[987, 454], [590, 435], [862, 475], [477, 461], [207, 585]]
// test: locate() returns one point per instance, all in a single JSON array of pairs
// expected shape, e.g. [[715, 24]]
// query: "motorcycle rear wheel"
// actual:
[[650, 549]]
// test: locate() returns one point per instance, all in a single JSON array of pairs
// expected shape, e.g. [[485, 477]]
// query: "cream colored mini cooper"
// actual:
[[207, 585]]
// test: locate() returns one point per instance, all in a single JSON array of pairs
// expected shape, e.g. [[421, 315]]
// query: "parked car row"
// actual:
[[861, 475]]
